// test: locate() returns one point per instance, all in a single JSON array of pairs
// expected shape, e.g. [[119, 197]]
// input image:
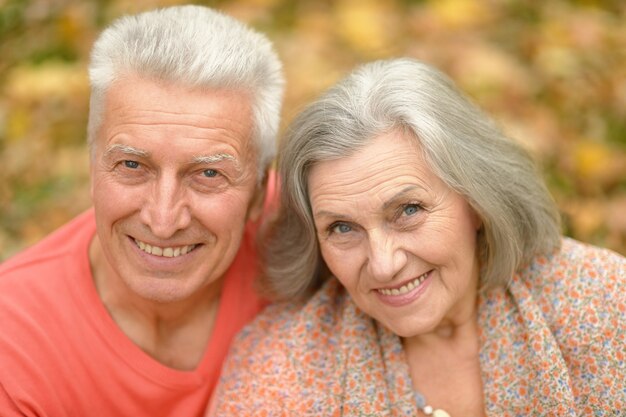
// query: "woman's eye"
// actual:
[[210, 173], [340, 228], [410, 209], [131, 164]]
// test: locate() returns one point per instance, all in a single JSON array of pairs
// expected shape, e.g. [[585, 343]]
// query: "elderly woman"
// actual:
[[422, 270]]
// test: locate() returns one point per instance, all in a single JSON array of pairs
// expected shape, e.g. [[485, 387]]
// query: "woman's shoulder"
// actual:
[[578, 291], [576, 263], [562, 318], [578, 279], [287, 322], [586, 257], [287, 348]]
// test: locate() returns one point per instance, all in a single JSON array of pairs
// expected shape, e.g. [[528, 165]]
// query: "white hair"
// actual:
[[461, 144], [192, 46]]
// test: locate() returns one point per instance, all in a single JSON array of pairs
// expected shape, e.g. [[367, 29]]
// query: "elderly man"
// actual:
[[129, 309]]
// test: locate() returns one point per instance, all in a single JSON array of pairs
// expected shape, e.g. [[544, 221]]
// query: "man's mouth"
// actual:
[[167, 252]]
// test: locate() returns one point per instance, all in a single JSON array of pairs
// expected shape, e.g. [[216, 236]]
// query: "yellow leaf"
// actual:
[[18, 123], [29, 82], [366, 25], [592, 159], [461, 13]]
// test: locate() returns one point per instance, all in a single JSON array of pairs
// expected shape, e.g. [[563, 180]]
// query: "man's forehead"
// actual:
[[196, 158]]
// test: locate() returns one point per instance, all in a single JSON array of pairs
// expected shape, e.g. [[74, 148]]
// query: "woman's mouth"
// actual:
[[404, 289], [406, 293]]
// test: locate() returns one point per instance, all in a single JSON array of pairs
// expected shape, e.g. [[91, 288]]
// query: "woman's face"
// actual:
[[401, 242]]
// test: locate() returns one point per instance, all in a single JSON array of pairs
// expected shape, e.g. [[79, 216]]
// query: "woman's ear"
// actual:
[[476, 219]]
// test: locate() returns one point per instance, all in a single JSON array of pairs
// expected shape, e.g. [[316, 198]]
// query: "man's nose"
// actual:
[[386, 256], [166, 209]]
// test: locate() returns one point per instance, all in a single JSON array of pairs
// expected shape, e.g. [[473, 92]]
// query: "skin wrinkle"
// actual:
[[402, 195], [383, 250], [125, 149], [181, 124], [190, 124], [199, 159], [217, 161], [223, 126], [221, 132], [166, 202], [184, 115], [417, 196], [212, 159]]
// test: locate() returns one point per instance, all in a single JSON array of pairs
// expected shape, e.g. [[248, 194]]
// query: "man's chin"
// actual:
[[160, 288]]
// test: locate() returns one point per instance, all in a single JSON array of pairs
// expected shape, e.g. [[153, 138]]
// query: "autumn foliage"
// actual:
[[553, 73]]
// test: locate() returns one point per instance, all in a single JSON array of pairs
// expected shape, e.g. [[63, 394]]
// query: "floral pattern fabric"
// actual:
[[553, 343]]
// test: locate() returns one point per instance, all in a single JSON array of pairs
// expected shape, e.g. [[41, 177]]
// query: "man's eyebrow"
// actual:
[[129, 150], [211, 159]]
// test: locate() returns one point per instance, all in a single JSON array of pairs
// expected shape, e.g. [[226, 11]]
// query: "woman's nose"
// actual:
[[386, 257]]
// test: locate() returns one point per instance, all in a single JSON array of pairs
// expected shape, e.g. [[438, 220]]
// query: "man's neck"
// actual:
[[176, 333]]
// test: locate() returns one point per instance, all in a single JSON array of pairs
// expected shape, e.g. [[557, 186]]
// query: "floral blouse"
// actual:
[[553, 343]]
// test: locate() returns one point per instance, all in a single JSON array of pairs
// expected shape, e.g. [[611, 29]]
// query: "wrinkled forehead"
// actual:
[[390, 147], [135, 104], [384, 158]]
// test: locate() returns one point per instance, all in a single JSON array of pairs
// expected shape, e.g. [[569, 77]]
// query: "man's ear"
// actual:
[[258, 199], [91, 176]]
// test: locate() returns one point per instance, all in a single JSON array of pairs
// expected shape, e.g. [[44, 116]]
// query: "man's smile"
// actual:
[[168, 252]]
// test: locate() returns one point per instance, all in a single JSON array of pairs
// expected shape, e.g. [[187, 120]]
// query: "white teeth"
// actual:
[[166, 252], [405, 288]]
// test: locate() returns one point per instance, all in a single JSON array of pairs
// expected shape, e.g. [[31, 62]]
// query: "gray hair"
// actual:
[[192, 46], [462, 145]]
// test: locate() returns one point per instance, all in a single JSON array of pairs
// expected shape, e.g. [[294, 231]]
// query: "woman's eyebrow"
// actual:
[[401, 194], [330, 214]]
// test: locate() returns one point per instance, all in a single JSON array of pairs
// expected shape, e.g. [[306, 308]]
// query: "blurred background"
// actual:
[[552, 72]]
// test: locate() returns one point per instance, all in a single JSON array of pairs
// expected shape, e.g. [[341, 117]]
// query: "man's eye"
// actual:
[[131, 164], [210, 173]]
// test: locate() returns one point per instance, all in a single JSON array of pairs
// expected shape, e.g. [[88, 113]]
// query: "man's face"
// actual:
[[173, 184]]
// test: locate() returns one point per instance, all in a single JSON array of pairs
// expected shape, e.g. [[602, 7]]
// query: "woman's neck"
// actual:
[[444, 366]]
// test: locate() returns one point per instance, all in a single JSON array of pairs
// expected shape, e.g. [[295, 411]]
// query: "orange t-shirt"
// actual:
[[61, 353]]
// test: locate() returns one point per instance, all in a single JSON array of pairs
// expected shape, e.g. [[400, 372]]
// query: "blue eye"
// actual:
[[341, 228], [131, 164], [209, 173], [410, 209]]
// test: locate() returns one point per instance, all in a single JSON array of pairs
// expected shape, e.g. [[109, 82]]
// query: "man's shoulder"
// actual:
[[57, 243], [36, 308], [63, 247]]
